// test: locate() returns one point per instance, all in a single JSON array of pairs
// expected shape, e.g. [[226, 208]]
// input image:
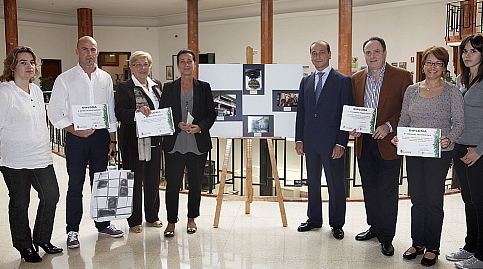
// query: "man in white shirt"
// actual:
[[84, 84]]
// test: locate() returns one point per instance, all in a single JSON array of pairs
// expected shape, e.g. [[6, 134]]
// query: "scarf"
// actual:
[[144, 144]]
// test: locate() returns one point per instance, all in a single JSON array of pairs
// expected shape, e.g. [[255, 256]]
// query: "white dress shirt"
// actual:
[[24, 137], [74, 87]]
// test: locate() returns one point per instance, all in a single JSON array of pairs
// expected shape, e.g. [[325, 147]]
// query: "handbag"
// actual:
[[111, 196]]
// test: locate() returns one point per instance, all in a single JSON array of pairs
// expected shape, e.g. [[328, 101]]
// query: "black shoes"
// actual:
[[307, 226], [29, 254], [48, 248], [367, 235], [412, 255], [430, 262], [337, 232], [387, 248]]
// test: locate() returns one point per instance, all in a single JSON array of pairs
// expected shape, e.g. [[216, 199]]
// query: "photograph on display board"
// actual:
[[228, 105], [258, 125], [285, 100], [253, 79]]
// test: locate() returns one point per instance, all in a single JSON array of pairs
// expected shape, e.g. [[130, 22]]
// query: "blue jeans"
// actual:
[[18, 182]]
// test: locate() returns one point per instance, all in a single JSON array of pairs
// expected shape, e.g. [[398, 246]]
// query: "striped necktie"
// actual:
[[318, 88]]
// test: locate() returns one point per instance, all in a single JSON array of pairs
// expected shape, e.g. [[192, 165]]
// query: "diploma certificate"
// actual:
[[360, 119], [421, 142], [159, 122], [90, 116]]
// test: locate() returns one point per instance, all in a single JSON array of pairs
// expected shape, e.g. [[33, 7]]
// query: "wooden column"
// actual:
[[11, 28], [266, 53], [193, 31], [84, 22], [345, 37]]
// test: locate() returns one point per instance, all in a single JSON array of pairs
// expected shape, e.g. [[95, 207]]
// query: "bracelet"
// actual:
[[113, 142]]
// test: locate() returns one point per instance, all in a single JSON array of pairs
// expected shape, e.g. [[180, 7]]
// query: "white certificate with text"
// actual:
[[360, 119], [90, 116], [421, 142], [159, 122]]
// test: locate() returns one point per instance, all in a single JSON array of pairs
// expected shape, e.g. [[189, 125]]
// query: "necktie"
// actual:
[[318, 88]]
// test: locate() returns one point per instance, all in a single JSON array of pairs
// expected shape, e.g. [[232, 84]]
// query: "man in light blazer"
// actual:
[[321, 98], [380, 86]]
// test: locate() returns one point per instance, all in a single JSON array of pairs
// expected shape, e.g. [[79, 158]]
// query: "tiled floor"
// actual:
[[257, 240]]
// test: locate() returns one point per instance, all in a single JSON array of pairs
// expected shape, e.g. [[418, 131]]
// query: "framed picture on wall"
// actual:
[[228, 105], [109, 60], [285, 100], [258, 125], [169, 72]]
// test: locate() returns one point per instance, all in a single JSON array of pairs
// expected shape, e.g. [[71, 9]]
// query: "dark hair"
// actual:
[[320, 42], [375, 38], [476, 42], [184, 51], [439, 52], [11, 61]]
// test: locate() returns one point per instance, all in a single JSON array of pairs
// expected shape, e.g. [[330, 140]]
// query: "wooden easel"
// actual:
[[248, 186]]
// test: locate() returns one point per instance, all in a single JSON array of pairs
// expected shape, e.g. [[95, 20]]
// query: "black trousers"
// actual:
[[380, 186], [426, 178], [471, 183], [18, 182], [149, 173], [175, 165], [80, 152]]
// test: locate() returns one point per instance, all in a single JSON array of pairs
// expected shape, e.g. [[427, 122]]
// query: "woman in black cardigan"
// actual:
[[141, 155], [193, 110]]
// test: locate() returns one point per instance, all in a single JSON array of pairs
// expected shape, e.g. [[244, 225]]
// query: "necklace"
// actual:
[[437, 84]]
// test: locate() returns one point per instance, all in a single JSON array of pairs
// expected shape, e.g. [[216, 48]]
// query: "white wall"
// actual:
[[407, 26]]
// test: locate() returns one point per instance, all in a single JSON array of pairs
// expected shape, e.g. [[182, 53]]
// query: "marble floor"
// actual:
[[257, 240]]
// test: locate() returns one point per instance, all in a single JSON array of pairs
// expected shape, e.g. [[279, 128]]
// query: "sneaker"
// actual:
[[73, 240], [460, 255], [471, 263], [112, 231], [464, 263]]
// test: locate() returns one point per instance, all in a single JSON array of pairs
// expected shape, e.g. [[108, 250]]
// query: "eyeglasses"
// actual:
[[437, 64], [144, 65]]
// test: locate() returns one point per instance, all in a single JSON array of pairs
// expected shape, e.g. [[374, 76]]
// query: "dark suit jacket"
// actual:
[[396, 80], [125, 109], [203, 112], [317, 125]]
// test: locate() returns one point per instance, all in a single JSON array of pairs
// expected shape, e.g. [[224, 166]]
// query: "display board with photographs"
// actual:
[[234, 103]]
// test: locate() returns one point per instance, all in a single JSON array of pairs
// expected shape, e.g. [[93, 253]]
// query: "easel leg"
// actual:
[[219, 197], [277, 183]]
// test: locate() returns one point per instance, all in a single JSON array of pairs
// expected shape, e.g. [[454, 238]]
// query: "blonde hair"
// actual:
[[140, 55]]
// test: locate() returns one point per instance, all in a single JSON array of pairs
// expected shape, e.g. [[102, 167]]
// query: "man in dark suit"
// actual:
[[321, 98], [380, 86]]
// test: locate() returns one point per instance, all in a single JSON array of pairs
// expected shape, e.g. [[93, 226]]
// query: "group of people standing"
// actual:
[[26, 161], [431, 103]]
